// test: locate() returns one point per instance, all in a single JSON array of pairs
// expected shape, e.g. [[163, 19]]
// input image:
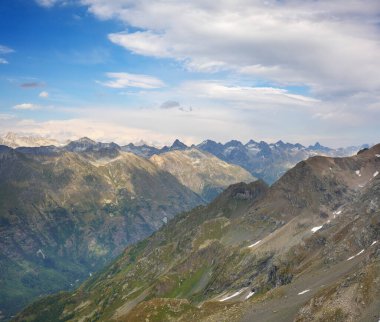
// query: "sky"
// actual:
[[125, 71]]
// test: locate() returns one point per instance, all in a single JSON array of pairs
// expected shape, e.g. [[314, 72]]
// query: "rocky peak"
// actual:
[[251, 142], [318, 147], [80, 145], [178, 145], [234, 143]]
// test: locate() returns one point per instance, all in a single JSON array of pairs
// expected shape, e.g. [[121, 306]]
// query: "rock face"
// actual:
[[65, 212], [305, 249], [200, 171]]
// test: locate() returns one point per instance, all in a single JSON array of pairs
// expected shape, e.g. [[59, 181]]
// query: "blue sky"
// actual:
[[300, 71]]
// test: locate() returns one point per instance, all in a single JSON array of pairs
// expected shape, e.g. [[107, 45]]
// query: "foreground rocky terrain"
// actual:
[[67, 211], [304, 249]]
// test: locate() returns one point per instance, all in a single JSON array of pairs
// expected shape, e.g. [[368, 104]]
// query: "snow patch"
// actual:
[[376, 173], [40, 252], [231, 296], [352, 257], [337, 213], [303, 292], [253, 245], [315, 229], [249, 295], [358, 173]]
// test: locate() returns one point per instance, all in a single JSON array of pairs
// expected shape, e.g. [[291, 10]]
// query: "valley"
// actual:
[[65, 212]]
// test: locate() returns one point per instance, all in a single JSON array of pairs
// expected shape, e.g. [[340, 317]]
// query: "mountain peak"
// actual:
[[178, 145], [317, 146], [85, 140], [80, 145], [233, 143], [251, 142]]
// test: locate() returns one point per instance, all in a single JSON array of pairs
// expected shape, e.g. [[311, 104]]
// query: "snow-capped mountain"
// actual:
[[15, 140]]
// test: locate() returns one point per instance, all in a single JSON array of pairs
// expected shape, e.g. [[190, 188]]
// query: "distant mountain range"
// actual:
[[263, 160], [270, 161], [305, 249]]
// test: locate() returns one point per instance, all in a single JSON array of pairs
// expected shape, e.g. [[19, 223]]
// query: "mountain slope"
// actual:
[[291, 251], [65, 214], [200, 171]]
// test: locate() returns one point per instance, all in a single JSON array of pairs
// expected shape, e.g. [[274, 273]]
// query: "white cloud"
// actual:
[[43, 94], [26, 106], [330, 46], [259, 96], [5, 50], [46, 3], [124, 80], [143, 43], [6, 116]]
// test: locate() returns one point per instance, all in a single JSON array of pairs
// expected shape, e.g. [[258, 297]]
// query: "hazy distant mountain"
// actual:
[[15, 140], [269, 161], [201, 171], [305, 249], [147, 151], [263, 160]]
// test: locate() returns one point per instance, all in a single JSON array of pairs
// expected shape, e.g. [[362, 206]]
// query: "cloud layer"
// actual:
[[26, 106], [124, 80], [297, 70], [330, 47]]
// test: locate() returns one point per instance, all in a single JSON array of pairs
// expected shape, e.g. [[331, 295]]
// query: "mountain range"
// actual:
[[266, 161], [67, 211], [263, 160], [304, 249]]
